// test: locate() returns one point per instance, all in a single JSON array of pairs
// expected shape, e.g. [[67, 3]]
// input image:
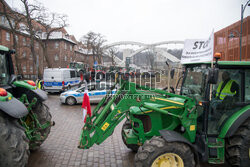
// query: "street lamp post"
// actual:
[[241, 23]]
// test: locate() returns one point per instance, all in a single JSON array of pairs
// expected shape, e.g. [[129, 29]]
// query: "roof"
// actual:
[[84, 51], [243, 63], [57, 35], [3, 48], [53, 69]]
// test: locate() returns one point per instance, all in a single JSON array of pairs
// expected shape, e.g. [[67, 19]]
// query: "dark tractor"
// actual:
[[25, 121]]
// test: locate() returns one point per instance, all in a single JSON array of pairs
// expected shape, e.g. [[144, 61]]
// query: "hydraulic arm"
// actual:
[[114, 108]]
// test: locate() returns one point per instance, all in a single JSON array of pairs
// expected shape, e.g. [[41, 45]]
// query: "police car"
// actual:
[[96, 92], [60, 79]]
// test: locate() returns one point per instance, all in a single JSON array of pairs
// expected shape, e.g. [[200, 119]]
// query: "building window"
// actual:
[[65, 46], [65, 58], [56, 45], [31, 57], [72, 74], [16, 38], [37, 45], [31, 69], [24, 69], [12, 22], [24, 41], [3, 19], [56, 58], [71, 59], [7, 36], [24, 54], [70, 47]]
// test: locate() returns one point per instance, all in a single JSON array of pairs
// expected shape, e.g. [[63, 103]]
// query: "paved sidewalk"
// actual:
[[60, 148]]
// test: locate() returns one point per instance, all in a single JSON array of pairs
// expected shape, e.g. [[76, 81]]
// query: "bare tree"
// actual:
[[112, 52], [94, 42], [48, 23], [30, 11], [54, 23], [13, 19]]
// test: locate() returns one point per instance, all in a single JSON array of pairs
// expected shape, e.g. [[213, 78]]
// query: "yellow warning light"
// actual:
[[192, 127]]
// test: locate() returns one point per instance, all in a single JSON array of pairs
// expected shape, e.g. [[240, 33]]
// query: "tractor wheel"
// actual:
[[43, 115], [127, 125], [238, 146], [157, 152], [14, 145]]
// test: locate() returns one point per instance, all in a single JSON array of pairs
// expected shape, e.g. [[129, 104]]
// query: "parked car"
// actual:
[[96, 92], [60, 79]]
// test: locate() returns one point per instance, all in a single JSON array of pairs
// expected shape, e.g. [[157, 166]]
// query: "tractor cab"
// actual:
[[6, 67], [222, 105]]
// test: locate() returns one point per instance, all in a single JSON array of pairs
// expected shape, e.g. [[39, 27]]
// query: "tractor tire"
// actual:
[[159, 152], [238, 146], [14, 145], [127, 125], [43, 115]]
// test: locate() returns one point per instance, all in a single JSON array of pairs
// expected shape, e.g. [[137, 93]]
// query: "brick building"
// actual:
[[230, 46], [62, 48], [82, 54]]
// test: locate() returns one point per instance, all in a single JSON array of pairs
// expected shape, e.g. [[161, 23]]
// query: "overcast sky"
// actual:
[[147, 20]]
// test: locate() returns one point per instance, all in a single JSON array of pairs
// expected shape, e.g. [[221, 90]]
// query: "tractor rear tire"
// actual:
[[159, 152], [127, 125], [43, 115], [14, 145], [238, 146]]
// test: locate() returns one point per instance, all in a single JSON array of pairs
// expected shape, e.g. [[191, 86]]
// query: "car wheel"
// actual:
[[71, 101]]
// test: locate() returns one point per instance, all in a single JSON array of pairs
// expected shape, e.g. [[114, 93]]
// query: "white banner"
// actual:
[[198, 50]]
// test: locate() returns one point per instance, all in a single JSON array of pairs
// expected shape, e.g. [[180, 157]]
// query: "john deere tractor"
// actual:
[[204, 123], [25, 121]]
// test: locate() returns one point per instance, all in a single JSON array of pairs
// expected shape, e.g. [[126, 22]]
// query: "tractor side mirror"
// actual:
[[213, 75], [19, 77], [172, 73], [13, 78]]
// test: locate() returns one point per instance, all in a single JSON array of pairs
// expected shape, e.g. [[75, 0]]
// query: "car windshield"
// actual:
[[194, 83], [97, 87], [4, 77]]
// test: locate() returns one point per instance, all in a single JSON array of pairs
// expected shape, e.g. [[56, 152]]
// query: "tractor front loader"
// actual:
[[208, 122], [147, 111]]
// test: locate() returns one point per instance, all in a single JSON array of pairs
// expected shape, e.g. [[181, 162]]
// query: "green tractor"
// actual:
[[25, 121], [208, 122]]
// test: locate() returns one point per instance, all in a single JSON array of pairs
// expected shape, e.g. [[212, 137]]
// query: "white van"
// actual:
[[60, 79]]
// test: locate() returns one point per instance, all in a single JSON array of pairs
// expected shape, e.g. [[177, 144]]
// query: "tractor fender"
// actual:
[[234, 122], [172, 136], [41, 94], [38, 93], [14, 108]]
